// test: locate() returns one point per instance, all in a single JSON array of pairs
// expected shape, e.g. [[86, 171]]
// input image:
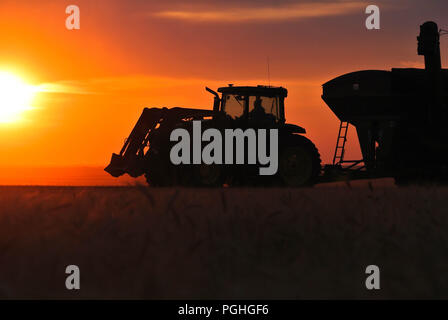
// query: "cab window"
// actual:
[[234, 105], [270, 105]]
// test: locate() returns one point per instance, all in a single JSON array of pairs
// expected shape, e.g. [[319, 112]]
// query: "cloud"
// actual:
[[138, 83], [68, 87], [275, 13]]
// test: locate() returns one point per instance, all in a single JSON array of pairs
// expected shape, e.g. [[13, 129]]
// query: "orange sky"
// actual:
[[132, 54]]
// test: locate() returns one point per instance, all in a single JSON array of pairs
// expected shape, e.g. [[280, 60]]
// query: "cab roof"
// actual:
[[265, 91]]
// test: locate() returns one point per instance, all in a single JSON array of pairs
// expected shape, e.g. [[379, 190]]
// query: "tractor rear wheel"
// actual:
[[299, 162]]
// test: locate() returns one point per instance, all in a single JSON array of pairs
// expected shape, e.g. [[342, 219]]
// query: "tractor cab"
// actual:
[[251, 102]]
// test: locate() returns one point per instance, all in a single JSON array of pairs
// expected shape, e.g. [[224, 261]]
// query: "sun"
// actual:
[[16, 97]]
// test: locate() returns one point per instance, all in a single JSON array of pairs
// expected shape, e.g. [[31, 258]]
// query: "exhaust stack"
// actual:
[[429, 47]]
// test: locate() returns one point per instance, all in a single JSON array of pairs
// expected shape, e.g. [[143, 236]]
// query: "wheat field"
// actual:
[[141, 243]]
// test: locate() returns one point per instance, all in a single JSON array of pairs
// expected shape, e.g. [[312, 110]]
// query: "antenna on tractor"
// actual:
[[269, 72]]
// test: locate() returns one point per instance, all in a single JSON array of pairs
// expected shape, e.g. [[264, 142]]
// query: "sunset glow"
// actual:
[[69, 98], [15, 97]]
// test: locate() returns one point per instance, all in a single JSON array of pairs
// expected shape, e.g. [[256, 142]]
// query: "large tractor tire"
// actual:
[[299, 162]]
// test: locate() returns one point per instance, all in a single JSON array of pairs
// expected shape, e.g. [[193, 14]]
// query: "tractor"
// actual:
[[147, 149]]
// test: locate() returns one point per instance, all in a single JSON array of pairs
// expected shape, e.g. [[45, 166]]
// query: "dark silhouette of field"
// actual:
[[137, 242]]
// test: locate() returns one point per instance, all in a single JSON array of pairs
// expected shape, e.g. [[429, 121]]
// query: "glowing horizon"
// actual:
[[78, 93]]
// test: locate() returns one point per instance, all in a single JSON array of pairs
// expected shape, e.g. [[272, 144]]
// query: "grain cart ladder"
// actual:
[[338, 157]]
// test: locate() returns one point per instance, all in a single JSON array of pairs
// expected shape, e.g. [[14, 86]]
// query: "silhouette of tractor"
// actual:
[[147, 149], [400, 117]]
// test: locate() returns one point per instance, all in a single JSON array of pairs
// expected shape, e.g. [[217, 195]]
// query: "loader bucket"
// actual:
[[116, 167]]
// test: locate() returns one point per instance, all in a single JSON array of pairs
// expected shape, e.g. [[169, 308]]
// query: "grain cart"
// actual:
[[400, 118]]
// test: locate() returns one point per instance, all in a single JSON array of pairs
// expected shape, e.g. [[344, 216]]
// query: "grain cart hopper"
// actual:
[[400, 118]]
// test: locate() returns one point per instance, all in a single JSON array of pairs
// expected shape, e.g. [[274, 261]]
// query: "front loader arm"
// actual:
[[148, 121], [132, 152]]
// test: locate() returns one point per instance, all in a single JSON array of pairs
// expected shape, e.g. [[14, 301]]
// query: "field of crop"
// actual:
[[136, 242]]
